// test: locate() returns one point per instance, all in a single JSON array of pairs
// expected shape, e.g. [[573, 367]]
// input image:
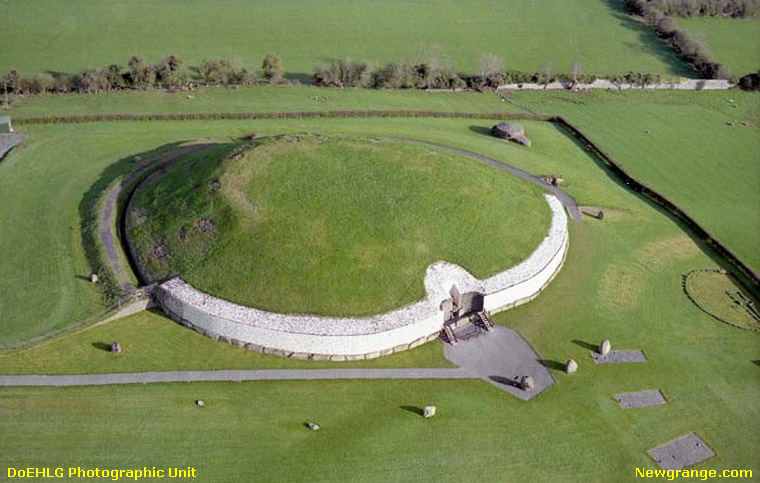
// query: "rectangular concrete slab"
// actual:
[[640, 399], [681, 453], [618, 357]]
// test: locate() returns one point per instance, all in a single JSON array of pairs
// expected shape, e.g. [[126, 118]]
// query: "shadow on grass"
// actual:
[[102, 346], [648, 42], [481, 130], [585, 345], [756, 362], [413, 409], [550, 364]]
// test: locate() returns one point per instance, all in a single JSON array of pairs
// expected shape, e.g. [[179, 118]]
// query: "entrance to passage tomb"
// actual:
[[464, 316]]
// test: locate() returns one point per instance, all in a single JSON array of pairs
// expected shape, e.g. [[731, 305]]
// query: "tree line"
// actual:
[[436, 72], [701, 8], [169, 73]]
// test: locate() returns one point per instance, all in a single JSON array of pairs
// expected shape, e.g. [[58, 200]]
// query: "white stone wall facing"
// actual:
[[346, 338]]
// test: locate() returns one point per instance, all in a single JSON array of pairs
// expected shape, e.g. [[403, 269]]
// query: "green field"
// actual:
[[75, 35], [621, 280], [681, 145], [331, 226], [254, 99], [733, 42], [340, 223]]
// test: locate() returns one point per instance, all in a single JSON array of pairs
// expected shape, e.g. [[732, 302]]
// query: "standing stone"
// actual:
[[428, 411], [600, 215], [527, 383], [571, 366], [312, 426], [199, 403], [604, 347], [115, 347], [94, 278]]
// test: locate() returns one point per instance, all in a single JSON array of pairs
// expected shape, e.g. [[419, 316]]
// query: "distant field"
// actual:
[[681, 145], [733, 42], [70, 36]]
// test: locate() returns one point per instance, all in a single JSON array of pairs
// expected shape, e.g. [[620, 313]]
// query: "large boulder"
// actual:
[[506, 130], [312, 426], [115, 347], [527, 383], [512, 132], [605, 347]]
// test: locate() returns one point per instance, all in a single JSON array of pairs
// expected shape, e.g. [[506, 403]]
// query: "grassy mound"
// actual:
[[330, 225]]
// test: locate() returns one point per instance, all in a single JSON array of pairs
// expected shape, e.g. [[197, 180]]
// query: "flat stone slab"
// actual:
[[501, 357], [681, 453], [619, 357], [8, 142], [640, 399]]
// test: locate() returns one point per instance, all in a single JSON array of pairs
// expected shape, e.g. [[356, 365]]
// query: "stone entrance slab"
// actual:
[[619, 357], [681, 453], [640, 399]]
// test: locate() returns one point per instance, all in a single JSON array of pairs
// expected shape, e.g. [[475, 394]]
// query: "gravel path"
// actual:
[[567, 200], [233, 376]]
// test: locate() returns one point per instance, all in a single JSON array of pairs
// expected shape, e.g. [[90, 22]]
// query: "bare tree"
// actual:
[[489, 64], [546, 73], [577, 70]]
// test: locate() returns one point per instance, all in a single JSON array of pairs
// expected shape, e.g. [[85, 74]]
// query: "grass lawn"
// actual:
[[681, 145], [254, 99], [152, 342], [71, 36], [44, 253], [621, 280], [733, 42], [332, 226]]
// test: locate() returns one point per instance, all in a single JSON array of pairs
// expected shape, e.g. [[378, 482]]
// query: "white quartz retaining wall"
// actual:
[[334, 338]]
